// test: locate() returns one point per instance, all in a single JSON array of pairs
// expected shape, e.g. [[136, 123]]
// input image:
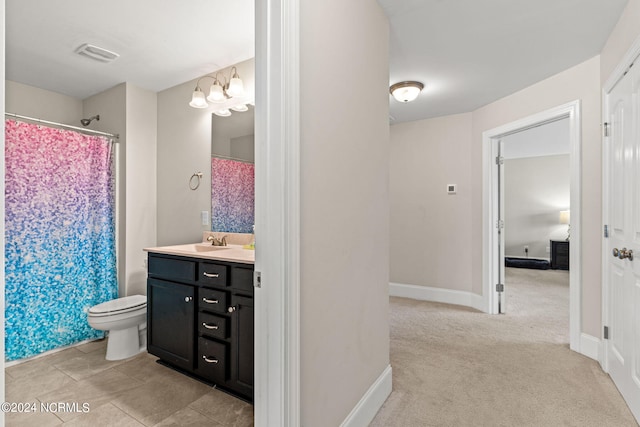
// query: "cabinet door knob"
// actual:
[[208, 360], [231, 309], [188, 299], [208, 326]]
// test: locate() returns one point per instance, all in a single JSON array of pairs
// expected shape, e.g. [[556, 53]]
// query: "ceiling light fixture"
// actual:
[[220, 91], [406, 91]]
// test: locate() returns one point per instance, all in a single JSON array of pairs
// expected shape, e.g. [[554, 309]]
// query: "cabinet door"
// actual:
[[170, 322], [241, 372]]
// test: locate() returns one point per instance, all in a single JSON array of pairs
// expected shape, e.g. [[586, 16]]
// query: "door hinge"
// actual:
[[499, 160], [606, 231], [257, 279], [500, 224], [605, 128], [606, 333], [499, 287]]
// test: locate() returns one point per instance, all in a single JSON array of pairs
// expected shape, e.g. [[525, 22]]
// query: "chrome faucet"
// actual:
[[217, 242]]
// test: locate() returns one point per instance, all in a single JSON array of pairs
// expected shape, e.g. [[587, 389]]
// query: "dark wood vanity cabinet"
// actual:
[[200, 319]]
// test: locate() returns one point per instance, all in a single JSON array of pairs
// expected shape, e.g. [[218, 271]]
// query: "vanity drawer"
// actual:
[[213, 326], [212, 360], [213, 274], [212, 300], [174, 269]]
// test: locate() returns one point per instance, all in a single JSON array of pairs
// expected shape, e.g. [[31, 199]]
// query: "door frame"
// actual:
[[490, 210], [277, 214], [618, 73]]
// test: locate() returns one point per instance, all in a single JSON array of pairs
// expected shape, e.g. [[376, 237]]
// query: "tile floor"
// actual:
[[132, 392]]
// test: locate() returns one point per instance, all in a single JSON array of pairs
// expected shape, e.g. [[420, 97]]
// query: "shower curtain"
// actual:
[[60, 256]]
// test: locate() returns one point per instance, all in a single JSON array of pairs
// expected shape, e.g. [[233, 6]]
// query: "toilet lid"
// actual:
[[119, 305]]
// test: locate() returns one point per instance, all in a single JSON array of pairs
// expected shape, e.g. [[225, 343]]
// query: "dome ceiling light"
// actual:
[[406, 91]]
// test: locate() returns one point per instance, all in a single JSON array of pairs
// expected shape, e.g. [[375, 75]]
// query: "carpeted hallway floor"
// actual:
[[454, 366]]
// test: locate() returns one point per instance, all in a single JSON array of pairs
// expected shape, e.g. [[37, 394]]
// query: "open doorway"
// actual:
[[494, 291], [536, 195]]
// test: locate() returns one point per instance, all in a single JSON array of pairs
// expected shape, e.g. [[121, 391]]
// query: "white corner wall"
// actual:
[[184, 148], [344, 212]]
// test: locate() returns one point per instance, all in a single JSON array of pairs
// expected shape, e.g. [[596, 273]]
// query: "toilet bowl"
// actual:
[[125, 320]]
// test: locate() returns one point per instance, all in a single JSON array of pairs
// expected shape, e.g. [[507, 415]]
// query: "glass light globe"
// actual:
[[240, 108], [236, 87], [216, 93], [197, 99], [222, 113]]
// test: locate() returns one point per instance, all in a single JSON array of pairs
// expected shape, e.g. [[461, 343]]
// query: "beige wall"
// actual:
[[428, 225], [620, 39], [344, 208], [42, 104], [184, 148], [141, 195], [536, 189], [455, 148]]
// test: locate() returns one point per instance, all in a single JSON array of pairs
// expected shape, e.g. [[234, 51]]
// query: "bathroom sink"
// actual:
[[200, 247]]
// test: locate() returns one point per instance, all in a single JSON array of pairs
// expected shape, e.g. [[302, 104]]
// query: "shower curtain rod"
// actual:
[[62, 125]]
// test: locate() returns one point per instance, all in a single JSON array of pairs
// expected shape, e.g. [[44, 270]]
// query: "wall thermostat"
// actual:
[[451, 189]]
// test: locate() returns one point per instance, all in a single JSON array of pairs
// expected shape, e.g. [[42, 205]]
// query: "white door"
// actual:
[[622, 248]]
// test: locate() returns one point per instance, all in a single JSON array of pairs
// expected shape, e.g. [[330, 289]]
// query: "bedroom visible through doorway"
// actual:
[[536, 196]]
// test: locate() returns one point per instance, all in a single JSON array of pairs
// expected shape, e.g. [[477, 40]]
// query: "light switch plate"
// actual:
[[204, 216]]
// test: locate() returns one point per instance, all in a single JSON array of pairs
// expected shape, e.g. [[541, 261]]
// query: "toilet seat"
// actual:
[[119, 306]]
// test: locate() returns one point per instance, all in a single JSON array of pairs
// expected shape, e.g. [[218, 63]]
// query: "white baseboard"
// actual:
[[447, 296], [371, 402], [591, 346]]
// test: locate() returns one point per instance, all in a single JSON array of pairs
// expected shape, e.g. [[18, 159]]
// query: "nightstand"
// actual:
[[560, 254]]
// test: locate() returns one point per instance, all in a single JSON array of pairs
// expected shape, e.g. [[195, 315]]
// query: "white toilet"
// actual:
[[125, 319]]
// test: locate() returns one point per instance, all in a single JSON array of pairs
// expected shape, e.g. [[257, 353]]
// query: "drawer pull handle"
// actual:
[[210, 301], [206, 359], [212, 275], [208, 326]]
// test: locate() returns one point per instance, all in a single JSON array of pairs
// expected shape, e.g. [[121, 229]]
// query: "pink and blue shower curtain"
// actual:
[[232, 196], [60, 256]]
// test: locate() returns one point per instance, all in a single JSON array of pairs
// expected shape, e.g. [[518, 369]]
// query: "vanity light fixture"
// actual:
[[220, 90], [406, 91]]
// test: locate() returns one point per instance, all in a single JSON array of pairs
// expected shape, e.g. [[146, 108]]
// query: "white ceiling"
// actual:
[[467, 52], [161, 43]]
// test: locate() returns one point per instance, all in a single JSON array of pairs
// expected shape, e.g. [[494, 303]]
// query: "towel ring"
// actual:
[[198, 176]]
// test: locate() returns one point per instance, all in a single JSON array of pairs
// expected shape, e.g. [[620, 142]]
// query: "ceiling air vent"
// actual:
[[96, 52]]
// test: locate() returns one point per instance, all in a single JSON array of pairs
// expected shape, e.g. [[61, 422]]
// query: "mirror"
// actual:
[[232, 172]]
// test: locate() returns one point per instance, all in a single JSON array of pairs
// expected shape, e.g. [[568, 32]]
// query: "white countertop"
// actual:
[[231, 253]]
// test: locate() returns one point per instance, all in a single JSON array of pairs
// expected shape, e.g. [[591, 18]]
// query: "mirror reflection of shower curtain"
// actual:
[[232, 195], [60, 256]]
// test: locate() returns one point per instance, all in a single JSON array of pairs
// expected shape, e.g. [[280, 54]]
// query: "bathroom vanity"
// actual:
[[200, 313]]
